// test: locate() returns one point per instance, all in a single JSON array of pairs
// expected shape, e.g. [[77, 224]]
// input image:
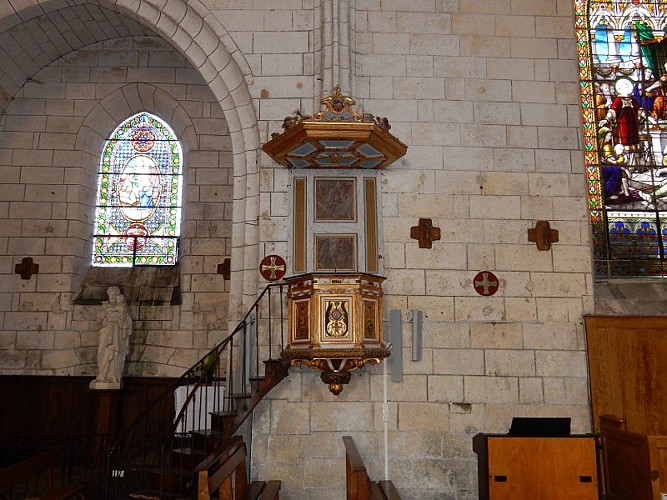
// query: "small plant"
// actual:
[[207, 367]]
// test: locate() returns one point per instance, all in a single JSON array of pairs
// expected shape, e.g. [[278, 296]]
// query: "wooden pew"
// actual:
[[34, 478], [634, 464], [223, 476], [358, 484]]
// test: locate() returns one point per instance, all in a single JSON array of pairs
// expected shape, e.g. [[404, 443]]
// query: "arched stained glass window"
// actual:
[[622, 48], [139, 195]]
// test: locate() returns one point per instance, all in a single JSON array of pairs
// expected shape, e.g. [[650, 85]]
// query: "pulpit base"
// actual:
[[335, 363]]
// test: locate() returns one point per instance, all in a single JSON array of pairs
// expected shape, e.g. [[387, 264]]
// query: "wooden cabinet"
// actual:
[[536, 468]]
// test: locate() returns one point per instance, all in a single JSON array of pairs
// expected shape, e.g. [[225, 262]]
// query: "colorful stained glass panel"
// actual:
[[622, 54], [138, 212]]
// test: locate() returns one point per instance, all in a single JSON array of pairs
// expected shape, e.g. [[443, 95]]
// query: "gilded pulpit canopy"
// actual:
[[336, 137]]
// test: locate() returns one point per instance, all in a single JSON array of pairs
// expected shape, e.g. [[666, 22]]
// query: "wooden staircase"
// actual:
[[178, 481], [163, 467], [226, 423]]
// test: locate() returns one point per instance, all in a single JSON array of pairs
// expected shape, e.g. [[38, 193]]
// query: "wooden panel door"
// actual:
[[627, 358], [542, 468]]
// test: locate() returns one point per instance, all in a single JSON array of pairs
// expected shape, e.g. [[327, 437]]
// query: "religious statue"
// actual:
[[114, 341]]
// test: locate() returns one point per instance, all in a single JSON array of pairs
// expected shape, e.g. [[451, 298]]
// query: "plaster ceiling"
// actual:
[[33, 44]]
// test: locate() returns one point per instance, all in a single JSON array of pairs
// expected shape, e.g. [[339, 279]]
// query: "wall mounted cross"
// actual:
[[26, 268], [425, 233], [542, 235], [225, 269]]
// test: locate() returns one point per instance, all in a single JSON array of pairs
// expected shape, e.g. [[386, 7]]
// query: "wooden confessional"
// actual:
[[627, 358]]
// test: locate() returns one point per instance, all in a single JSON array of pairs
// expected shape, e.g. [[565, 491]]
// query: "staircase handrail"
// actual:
[[189, 374]]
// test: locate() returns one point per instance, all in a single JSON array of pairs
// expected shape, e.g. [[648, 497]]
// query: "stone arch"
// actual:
[[132, 98], [193, 30], [101, 121]]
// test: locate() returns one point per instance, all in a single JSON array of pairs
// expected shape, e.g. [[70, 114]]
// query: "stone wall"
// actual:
[[485, 95], [52, 134]]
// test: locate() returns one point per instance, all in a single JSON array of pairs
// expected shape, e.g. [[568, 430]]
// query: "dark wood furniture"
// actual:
[[536, 468], [47, 406], [34, 478], [224, 476], [634, 463], [358, 484], [627, 359]]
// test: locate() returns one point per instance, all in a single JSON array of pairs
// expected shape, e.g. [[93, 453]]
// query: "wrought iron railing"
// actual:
[[156, 455]]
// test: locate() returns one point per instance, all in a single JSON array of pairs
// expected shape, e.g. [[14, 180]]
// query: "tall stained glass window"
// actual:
[[623, 79], [139, 195]]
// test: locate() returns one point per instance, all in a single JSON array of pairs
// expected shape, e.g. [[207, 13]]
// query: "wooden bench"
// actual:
[[223, 476], [358, 485], [33, 478]]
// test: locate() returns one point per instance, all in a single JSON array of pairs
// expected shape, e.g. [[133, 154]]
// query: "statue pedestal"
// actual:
[[105, 386], [107, 416]]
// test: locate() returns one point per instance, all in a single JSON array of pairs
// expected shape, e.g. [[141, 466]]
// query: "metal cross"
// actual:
[[542, 235], [26, 268]]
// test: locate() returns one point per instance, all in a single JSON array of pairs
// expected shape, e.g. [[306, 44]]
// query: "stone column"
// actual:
[[333, 49]]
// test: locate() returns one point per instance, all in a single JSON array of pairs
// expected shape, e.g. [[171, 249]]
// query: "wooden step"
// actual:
[[222, 421], [277, 368], [225, 413], [256, 383], [241, 400], [188, 456], [206, 439]]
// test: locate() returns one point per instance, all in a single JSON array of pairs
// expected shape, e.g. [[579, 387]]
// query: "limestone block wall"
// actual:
[[51, 137], [485, 94]]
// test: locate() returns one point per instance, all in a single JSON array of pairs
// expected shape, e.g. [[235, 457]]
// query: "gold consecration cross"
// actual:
[[273, 267]]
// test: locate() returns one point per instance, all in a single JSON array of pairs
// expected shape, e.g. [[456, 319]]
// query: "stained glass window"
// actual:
[[622, 52], [139, 195]]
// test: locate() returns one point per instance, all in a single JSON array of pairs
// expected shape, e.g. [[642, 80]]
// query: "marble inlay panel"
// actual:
[[336, 252], [335, 200]]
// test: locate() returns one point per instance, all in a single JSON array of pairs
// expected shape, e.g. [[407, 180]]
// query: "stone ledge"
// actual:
[[631, 298], [157, 285]]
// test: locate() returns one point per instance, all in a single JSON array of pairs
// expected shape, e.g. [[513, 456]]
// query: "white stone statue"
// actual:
[[114, 341]]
